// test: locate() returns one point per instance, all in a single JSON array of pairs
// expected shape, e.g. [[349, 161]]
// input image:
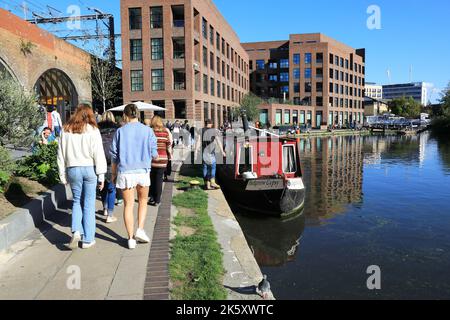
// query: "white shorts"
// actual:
[[132, 180]]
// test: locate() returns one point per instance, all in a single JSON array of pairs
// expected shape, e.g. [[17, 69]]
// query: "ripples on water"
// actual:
[[370, 201]]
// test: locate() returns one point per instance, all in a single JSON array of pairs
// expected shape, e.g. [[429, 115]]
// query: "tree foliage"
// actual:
[[19, 113], [105, 78], [441, 123], [405, 107], [7, 167], [42, 165], [249, 106]]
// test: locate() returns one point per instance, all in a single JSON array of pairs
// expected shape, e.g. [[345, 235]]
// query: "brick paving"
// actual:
[[157, 278]]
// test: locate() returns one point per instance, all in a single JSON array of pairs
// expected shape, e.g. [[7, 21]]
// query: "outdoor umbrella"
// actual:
[[142, 106]]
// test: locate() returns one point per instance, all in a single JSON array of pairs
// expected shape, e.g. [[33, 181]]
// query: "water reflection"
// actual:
[[333, 170], [274, 242]]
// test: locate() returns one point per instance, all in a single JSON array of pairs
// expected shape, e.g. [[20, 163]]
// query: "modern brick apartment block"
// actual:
[[184, 56], [309, 79]]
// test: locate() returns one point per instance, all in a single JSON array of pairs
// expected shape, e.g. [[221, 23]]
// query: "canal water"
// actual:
[[370, 201]]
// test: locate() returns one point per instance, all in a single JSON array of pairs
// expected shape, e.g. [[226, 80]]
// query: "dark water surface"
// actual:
[[381, 201]]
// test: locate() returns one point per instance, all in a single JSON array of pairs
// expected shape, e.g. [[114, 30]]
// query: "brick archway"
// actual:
[[55, 88]]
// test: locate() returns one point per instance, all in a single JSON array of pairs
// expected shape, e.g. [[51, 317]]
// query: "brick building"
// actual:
[[184, 56], [309, 79], [53, 68]]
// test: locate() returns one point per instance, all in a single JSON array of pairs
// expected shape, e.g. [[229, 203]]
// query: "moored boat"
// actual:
[[266, 175]]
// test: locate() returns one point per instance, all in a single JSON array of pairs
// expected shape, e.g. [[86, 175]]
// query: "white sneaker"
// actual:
[[111, 220], [85, 245], [141, 236], [105, 212], [131, 244], [76, 237]]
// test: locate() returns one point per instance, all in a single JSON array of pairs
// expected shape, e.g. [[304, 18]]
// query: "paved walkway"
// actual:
[[41, 267]]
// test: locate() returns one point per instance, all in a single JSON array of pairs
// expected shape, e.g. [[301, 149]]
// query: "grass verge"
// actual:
[[196, 264]]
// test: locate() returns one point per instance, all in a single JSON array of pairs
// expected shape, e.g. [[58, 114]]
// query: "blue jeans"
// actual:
[[209, 168], [83, 182], [109, 197]]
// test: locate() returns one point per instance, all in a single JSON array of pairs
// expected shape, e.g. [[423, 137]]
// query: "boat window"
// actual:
[[289, 163], [245, 159]]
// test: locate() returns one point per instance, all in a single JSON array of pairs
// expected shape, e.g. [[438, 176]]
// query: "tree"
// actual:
[[441, 123], [19, 113], [405, 107], [105, 78], [249, 105]]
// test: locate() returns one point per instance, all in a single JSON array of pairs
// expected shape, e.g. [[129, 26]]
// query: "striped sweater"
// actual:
[[164, 147]]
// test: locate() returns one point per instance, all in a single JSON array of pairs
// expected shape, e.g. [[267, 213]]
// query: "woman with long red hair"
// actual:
[[82, 164]]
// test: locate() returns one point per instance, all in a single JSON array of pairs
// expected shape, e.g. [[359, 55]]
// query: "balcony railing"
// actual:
[[179, 86], [178, 23]]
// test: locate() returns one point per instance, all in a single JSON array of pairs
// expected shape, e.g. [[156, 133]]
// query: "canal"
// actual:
[[381, 201]]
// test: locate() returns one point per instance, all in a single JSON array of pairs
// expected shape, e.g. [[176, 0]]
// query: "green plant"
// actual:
[[249, 106], [42, 165], [19, 113], [6, 168], [405, 107], [26, 47]]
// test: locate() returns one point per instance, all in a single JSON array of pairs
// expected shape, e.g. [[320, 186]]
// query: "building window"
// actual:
[[136, 49], [296, 59], [331, 87], [308, 73], [218, 65], [211, 61], [331, 58], [285, 89], [158, 80], [331, 73], [284, 77], [218, 89], [218, 41], [211, 35], [260, 64], [284, 63], [342, 62], [296, 87], [273, 65], [135, 15], [180, 109], [223, 46], [156, 17], [178, 16], [319, 87], [319, 101], [297, 73], [336, 60], [212, 85], [205, 28], [205, 84], [137, 80], [178, 48], [205, 56], [346, 63], [157, 49], [273, 77], [319, 57], [319, 73], [308, 87], [179, 79], [308, 58]]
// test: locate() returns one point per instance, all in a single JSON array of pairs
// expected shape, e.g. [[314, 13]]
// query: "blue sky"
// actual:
[[413, 32]]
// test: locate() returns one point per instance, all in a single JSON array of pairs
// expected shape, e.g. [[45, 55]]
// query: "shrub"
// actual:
[[6, 168], [19, 113], [42, 166]]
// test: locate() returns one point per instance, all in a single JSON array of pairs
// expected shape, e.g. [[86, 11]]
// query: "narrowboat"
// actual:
[[265, 176]]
